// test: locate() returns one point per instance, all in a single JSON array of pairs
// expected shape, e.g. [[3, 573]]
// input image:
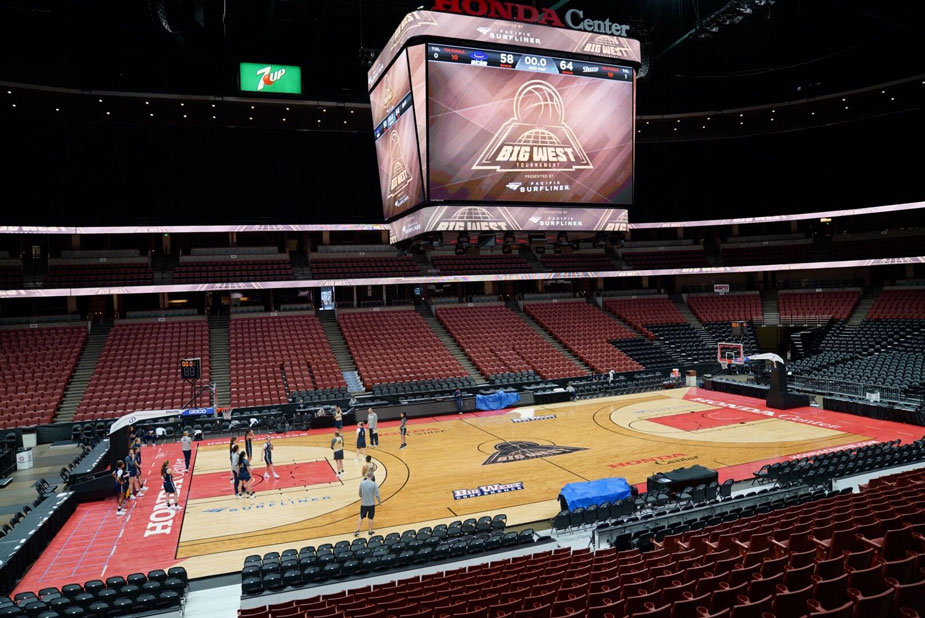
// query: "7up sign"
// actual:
[[271, 78]]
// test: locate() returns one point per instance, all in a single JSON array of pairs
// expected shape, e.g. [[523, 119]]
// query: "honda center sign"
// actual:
[[574, 18]]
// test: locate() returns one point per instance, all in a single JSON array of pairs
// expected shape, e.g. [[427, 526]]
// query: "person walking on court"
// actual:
[[169, 488], [268, 459], [231, 449], [457, 395], [120, 476], [337, 445], [186, 445], [369, 468], [244, 476], [235, 466], [372, 422], [403, 429], [249, 443], [369, 496], [361, 441]]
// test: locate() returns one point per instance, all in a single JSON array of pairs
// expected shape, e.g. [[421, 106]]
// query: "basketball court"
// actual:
[[510, 461]]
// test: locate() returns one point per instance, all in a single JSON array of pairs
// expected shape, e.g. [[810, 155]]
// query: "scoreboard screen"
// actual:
[[505, 126], [396, 133], [190, 368]]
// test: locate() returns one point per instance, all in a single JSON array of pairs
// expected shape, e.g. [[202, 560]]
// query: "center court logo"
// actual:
[[507, 452], [536, 137]]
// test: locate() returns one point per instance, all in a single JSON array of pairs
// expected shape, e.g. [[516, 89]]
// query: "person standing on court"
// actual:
[[231, 449], [369, 468], [268, 459], [169, 488], [372, 421], [361, 441], [338, 418], [186, 445], [337, 445], [120, 476], [369, 495], [244, 475], [249, 443], [457, 395], [403, 429], [235, 466]]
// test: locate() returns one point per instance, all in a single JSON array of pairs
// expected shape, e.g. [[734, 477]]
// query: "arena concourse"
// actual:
[[571, 310]]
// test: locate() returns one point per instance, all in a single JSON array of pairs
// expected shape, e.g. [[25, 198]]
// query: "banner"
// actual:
[[507, 218], [499, 31]]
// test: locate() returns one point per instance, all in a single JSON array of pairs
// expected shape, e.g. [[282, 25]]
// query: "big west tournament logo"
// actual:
[[536, 137], [506, 452], [399, 174]]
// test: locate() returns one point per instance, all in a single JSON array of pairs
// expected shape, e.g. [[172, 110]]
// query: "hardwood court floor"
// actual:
[[520, 460], [512, 462]]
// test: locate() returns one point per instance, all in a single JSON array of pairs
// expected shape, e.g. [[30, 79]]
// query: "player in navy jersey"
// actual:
[[170, 489], [120, 476], [244, 476], [249, 443], [268, 459]]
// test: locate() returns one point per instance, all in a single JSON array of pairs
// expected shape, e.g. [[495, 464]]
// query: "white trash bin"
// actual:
[[24, 459]]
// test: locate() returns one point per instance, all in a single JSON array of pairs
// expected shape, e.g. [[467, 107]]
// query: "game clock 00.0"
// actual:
[[190, 368]]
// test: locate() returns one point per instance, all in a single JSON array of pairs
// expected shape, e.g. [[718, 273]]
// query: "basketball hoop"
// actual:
[[730, 354]]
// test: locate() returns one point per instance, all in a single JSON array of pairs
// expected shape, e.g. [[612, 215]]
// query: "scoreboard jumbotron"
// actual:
[[525, 125]]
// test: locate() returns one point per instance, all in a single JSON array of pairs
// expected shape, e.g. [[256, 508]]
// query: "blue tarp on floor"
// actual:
[[595, 492], [496, 401]]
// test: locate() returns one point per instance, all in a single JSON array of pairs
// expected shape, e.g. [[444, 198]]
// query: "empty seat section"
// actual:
[[641, 312], [229, 271], [766, 254], [139, 368], [838, 305], [725, 308], [498, 341], [64, 275], [35, 365], [362, 267], [575, 262], [587, 332], [692, 258], [10, 277], [479, 264], [396, 346], [899, 304], [266, 351]]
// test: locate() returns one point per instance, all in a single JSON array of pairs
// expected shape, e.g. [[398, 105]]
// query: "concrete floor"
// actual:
[[48, 461]]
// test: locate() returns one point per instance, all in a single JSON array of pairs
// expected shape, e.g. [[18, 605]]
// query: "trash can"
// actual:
[[23, 458]]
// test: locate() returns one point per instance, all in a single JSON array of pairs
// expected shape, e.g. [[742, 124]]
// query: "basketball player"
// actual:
[[369, 468], [403, 429], [369, 495], [268, 459], [169, 488], [120, 476], [235, 465], [338, 418], [249, 443], [131, 466], [244, 476], [361, 441], [372, 421], [457, 395], [337, 445]]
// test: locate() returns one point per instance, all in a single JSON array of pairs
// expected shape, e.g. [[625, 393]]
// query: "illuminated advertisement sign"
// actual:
[[271, 78], [395, 131], [513, 127]]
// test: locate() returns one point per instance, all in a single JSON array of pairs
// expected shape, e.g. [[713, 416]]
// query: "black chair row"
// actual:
[[256, 580], [117, 596]]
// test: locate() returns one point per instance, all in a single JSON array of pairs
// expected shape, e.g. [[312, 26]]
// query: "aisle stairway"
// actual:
[[863, 307], [341, 352], [86, 365], [553, 341], [220, 358], [769, 308], [424, 310]]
